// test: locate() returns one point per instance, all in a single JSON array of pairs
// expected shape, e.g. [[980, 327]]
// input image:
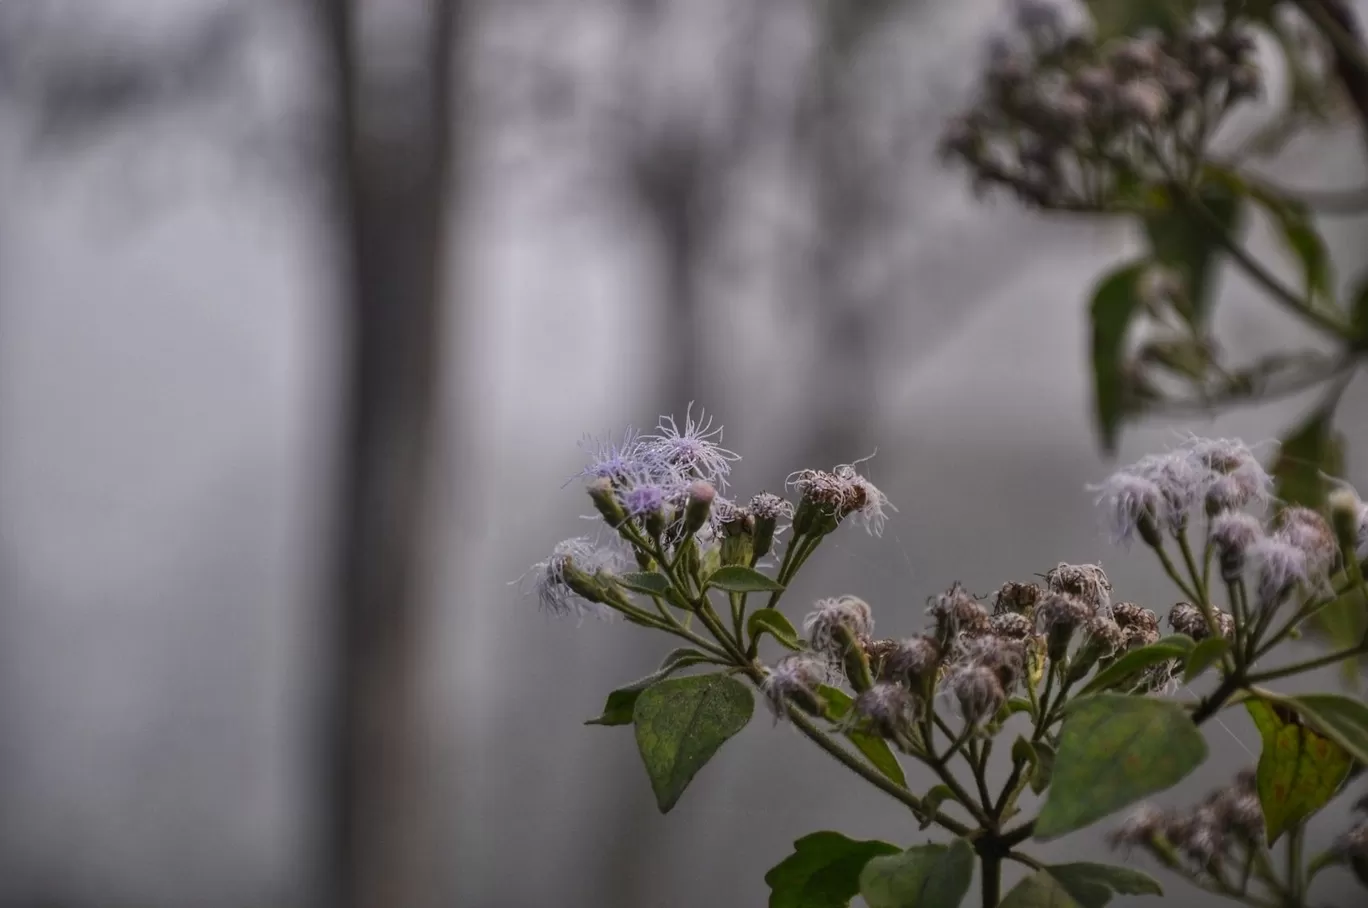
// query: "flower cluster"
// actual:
[[1065, 123], [1204, 837]]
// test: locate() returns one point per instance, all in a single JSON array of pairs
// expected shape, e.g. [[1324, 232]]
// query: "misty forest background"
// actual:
[[303, 309]]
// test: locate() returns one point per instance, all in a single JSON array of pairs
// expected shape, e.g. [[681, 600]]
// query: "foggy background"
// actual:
[[653, 202]]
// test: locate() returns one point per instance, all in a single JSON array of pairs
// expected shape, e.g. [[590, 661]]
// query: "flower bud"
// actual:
[[699, 506], [605, 500], [1346, 515]]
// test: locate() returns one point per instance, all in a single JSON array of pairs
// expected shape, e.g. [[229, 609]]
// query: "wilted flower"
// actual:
[[889, 709], [1011, 625], [911, 661], [978, 691], [1311, 533], [767, 506], [1062, 613], [1017, 598], [1087, 582], [1280, 568], [849, 612], [1131, 504], [563, 583], [1186, 618], [795, 677], [957, 612]]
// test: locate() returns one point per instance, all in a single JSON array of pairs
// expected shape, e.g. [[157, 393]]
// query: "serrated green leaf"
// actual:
[[823, 871], [932, 802], [772, 621], [1044, 768], [681, 723], [876, 750], [618, 709], [1092, 885], [652, 583], [1115, 301], [1137, 660], [927, 876], [1299, 770], [1204, 655], [1185, 242], [737, 578], [1114, 750]]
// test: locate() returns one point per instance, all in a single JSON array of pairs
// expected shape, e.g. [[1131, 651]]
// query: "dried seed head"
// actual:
[[850, 612], [888, 709], [1017, 598], [1129, 615], [1131, 504], [795, 677], [912, 661], [978, 690], [1011, 625], [1104, 634], [1062, 613], [1353, 845], [767, 506], [565, 583], [1186, 618], [1087, 582], [957, 612]]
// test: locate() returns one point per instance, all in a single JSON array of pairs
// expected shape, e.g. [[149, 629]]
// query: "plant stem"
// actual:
[[869, 773], [1295, 882], [1172, 571], [1310, 664], [992, 880]]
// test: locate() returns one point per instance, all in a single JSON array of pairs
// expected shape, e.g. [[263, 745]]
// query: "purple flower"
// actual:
[[692, 450], [1126, 499], [615, 460]]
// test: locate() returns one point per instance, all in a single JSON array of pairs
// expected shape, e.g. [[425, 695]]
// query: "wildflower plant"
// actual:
[[1126, 112], [1055, 681]]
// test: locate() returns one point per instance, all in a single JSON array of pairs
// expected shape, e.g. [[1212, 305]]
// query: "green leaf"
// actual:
[[1115, 301], [1113, 18], [1092, 885], [1039, 890], [932, 802], [1308, 453], [1343, 720], [1113, 751], [652, 583], [1204, 655], [1044, 768], [1293, 224], [1137, 660], [737, 578], [680, 724], [875, 749], [772, 622], [1183, 240], [618, 709], [823, 871], [927, 876], [1299, 771], [1358, 309]]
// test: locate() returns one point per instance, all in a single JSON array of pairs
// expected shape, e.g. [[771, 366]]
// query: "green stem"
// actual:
[[870, 774], [1310, 664], [992, 880], [1295, 882], [1171, 570]]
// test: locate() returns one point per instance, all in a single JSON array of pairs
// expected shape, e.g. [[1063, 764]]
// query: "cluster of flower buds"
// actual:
[[1203, 838], [1065, 123]]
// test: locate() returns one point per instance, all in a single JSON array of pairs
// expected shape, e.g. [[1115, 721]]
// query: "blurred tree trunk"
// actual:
[[848, 192], [390, 166]]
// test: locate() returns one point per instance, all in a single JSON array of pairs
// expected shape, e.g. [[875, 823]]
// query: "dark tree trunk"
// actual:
[[390, 173]]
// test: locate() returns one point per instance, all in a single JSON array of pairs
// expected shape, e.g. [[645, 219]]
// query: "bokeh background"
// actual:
[[650, 203]]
